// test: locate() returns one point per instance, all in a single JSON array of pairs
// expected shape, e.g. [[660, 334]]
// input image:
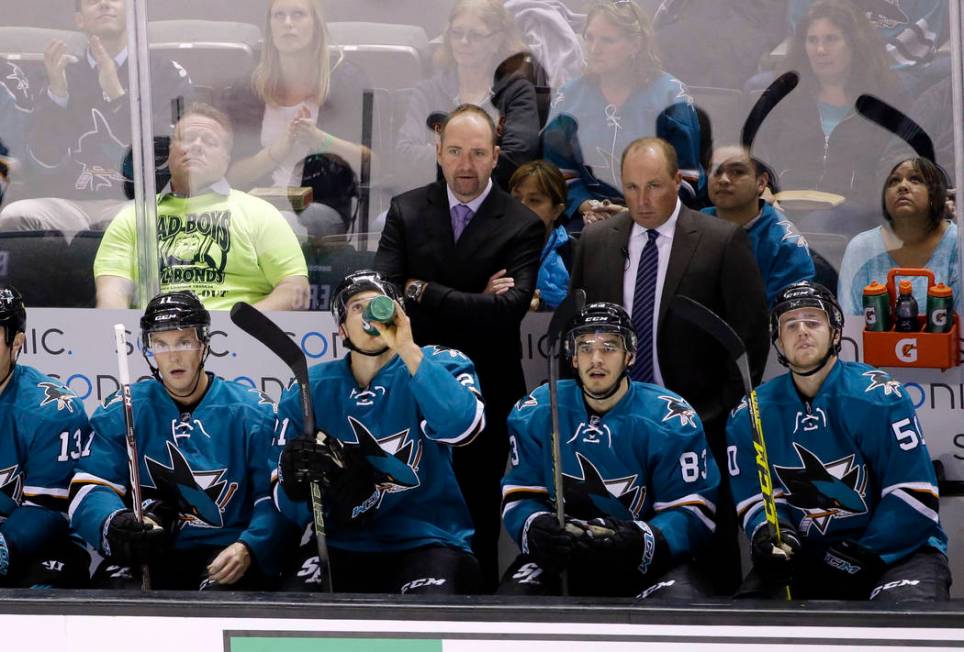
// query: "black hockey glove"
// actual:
[[775, 565], [549, 545], [161, 512], [306, 460], [625, 545], [5, 555], [852, 569], [132, 542]]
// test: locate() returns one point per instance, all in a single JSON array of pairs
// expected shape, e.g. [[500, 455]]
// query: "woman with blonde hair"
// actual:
[[624, 94], [298, 120], [481, 35]]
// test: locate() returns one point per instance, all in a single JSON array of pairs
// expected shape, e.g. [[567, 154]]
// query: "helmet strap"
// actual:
[[832, 350]]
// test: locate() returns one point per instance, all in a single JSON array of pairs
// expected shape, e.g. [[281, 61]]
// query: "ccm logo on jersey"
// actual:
[[906, 349], [422, 581]]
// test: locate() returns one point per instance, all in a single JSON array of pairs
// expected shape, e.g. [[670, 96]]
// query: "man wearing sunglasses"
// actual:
[[639, 484], [856, 495], [203, 452]]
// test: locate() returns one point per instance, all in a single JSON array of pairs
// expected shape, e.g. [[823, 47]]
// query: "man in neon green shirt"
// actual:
[[223, 244]]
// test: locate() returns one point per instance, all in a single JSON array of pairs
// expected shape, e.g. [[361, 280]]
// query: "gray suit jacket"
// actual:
[[710, 261]]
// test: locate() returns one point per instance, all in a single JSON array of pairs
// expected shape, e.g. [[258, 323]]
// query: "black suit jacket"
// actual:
[[418, 242], [710, 261]]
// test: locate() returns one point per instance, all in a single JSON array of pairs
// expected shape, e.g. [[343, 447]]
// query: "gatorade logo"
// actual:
[[906, 349], [939, 317], [870, 315]]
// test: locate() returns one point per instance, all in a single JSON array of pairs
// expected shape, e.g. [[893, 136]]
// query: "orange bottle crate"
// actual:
[[912, 349]]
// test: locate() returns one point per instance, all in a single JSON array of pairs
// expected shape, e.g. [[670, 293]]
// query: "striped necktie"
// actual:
[[644, 298]]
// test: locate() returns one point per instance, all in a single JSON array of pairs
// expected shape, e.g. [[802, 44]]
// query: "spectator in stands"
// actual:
[[623, 95], [540, 187], [736, 183], [16, 104], [480, 35], [814, 138], [222, 244], [917, 234], [299, 121], [80, 129]]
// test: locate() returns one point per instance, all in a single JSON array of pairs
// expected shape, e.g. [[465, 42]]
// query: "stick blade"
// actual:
[[702, 317], [256, 324], [898, 123], [771, 96], [571, 306]]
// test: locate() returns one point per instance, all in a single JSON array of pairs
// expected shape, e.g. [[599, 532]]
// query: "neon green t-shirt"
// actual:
[[225, 248]]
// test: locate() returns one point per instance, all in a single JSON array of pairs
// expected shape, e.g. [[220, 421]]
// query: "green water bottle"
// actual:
[[940, 308], [380, 308], [876, 307]]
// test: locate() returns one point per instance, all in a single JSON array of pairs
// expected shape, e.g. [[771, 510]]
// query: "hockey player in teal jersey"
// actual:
[[204, 446], [389, 414], [639, 483], [44, 432], [856, 494]]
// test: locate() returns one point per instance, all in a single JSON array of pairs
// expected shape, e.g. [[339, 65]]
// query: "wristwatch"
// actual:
[[415, 290]]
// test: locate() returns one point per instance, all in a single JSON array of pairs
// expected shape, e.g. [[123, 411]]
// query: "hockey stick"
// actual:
[[257, 325], [771, 96], [133, 462], [893, 120], [569, 308], [711, 323]]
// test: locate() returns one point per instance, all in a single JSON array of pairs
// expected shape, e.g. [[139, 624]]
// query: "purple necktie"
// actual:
[[644, 296], [461, 216]]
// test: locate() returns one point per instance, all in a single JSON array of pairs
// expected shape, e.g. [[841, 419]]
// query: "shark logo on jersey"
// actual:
[[886, 14], [202, 496], [824, 490], [742, 405], [59, 393], [265, 399], [11, 490], [367, 396], [590, 432], [114, 397], [19, 79], [881, 379], [98, 153], [453, 353], [589, 495], [527, 402], [678, 408], [810, 422], [790, 233], [395, 457]]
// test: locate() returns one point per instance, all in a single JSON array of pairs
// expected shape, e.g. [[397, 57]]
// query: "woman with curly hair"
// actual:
[[480, 36], [814, 139]]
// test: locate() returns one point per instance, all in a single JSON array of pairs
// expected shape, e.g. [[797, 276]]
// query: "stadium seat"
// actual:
[[215, 53], [392, 56], [35, 263], [830, 246], [724, 106], [25, 46]]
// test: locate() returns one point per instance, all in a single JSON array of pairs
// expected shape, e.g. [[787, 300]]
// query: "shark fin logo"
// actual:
[[824, 490], [677, 408], [590, 495], [882, 380], [455, 354], [202, 496], [394, 457], [265, 399], [55, 393], [99, 153], [790, 234], [11, 490], [114, 397]]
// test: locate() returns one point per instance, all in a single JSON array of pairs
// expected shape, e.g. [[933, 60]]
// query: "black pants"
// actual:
[[62, 565], [180, 570], [430, 570], [923, 576], [682, 582]]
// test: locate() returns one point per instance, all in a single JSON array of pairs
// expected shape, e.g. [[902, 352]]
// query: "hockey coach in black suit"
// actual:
[[442, 243]]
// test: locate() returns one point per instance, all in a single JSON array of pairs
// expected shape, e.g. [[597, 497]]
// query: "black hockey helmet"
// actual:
[[807, 294], [170, 311], [361, 281], [13, 315], [600, 317]]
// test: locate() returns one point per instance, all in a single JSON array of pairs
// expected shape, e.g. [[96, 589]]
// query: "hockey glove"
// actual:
[[549, 545], [775, 565], [306, 460], [626, 545], [852, 569], [162, 513], [4, 556], [129, 541]]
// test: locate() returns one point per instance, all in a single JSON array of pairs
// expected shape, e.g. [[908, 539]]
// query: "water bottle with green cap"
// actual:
[[381, 309]]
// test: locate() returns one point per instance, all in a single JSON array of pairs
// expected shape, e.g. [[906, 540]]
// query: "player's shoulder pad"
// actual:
[[53, 398], [867, 383], [444, 353], [532, 401], [744, 404], [670, 410]]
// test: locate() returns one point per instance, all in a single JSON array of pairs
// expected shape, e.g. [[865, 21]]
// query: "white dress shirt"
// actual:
[[664, 243]]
